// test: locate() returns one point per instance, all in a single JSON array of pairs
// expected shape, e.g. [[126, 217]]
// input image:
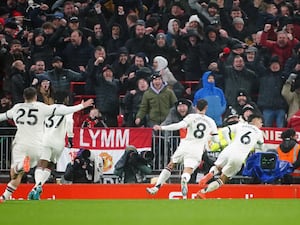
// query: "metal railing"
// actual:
[[163, 146]]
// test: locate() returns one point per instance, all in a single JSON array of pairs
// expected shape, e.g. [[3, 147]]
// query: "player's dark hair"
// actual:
[[254, 116], [60, 97], [201, 104], [29, 93]]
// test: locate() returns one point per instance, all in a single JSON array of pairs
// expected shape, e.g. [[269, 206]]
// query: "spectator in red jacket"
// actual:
[[283, 46]]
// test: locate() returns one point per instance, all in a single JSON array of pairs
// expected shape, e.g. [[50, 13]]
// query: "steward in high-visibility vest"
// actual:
[[289, 149]]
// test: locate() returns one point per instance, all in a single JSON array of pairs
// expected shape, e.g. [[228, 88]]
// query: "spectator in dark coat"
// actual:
[[270, 101], [78, 52], [107, 95], [18, 81], [242, 99], [60, 77], [194, 64], [142, 42], [238, 76], [95, 65], [132, 101]]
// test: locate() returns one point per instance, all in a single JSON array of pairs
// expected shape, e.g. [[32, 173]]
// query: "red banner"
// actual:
[[112, 138]]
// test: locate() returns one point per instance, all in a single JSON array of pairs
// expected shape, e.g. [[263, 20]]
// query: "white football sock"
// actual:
[[163, 176], [41, 176], [9, 190], [213, 186], [38, 176], [186, 176], [46, 175]]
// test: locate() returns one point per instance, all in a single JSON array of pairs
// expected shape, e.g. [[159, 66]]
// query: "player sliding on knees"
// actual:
[[200, 129], [248, 136]]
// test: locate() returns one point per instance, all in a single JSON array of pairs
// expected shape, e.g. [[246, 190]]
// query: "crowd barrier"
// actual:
[[112, 142]]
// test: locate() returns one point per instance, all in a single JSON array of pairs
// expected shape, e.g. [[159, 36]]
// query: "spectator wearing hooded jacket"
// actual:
[[213, 95], [270, 100], [156, 102]]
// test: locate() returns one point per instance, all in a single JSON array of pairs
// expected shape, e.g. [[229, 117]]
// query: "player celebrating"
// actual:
[[29, 118], [200, 128], [230, 161], [56, 128]]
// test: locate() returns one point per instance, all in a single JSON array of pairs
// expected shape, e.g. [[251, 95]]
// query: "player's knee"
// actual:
[[186, 176]]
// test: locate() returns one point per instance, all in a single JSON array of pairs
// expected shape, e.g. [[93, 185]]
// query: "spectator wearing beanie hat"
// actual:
[[156, 102], [133, 98], [270, 101], [209, 12], [160, 64], [239, 30], [242, 98], [181, 109], [196, 24]]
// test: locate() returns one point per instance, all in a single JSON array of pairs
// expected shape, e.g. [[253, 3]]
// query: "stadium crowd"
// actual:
[[140, 58], [121, 48]]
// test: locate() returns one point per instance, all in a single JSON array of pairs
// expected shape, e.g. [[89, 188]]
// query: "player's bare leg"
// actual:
[[163, 177], [12, 185]]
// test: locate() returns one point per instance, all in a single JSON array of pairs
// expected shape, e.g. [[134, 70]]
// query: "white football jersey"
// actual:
[[246, 137], [29, 119], [199, 127], [56, 128]]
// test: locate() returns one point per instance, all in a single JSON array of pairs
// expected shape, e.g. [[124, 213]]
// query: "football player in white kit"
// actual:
[[200, 129], [26, 148], [248, 136], [55, 129]]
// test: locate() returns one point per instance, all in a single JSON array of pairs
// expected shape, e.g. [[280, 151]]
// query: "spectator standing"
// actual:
[[282, 47], [160, 65], [45, 91], [77, 52], [209, 13], [156, 102], [142, 42], [291, 92], [133, 99], [121, 64], [107, 90], [61, 77], [270, 101], [95, 65], [18, 81], [213, 95], [238, 76]]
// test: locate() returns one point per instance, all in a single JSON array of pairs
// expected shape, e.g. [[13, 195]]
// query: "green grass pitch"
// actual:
[[144, 212]]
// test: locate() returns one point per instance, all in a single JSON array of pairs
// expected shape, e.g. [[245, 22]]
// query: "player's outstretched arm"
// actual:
[[63, 110]]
